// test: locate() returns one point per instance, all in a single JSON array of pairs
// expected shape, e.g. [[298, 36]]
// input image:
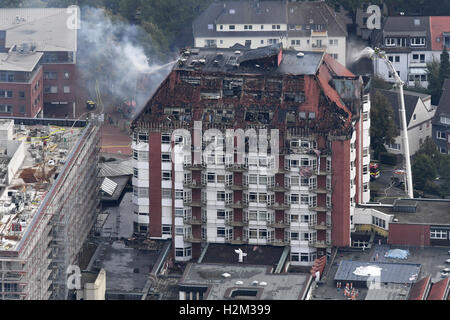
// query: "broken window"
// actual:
[[191, 80], [294, 97], [232, 87], [214, 95]]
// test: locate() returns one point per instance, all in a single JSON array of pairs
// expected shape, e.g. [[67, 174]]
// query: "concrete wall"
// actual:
[[96, 290], [17, 150]]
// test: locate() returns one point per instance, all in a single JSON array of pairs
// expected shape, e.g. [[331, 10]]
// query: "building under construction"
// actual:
[[300, 192], [48, 203]]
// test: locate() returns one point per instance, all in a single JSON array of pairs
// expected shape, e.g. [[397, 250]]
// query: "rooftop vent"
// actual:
[[237, 52]]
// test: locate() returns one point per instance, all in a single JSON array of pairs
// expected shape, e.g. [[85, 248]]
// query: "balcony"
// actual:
[[235, 241], [277, 242], [278, 206], [193, 221], [236, 223], [277, 188], [192, 239], [321, 244], [194, 203], [236, 187], [236, 168], [320, 190], [235, 205], [319, 209], [193, 185], [320, 226], [193, 166], [279, 224]]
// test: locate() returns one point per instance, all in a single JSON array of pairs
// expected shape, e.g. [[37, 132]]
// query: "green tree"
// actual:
[[423, 170], [444, 68], [11, 3], [379, 83], [383, 129], [434, 82]]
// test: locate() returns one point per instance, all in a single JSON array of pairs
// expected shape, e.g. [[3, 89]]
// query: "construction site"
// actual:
[[48, 203]]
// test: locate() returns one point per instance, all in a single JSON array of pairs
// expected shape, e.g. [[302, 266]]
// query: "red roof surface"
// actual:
[[324, 77], [319, 265], [336, 67], [438, 25], [419, 289], [439, 290]]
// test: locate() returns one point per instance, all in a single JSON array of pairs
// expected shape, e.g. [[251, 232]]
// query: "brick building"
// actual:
[[300, 193], [21, 84], [52, 32]]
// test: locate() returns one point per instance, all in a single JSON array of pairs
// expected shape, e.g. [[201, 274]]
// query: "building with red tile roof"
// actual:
[[440, 290]]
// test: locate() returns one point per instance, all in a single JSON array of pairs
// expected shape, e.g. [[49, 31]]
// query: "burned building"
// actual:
[[296, 130]]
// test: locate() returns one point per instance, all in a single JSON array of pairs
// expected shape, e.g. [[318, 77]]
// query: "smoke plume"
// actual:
[[111, 55]]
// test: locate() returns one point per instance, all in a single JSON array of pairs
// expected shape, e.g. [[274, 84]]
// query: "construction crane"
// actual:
[[377, 53]]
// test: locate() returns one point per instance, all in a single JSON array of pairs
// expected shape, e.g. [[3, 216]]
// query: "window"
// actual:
[[66, 89], [295, 42], [166, 175], [248, 27], [418, 58], [22, 94], [66, 75], [445, 120], [50, 75], [142, 137], [179, 194], [6, 94], [166, 229], [248, 43], [272, 41], [231, 27], [210, 43], [438, 234], [166, 193], [165, 157], [379, 222], [136, 172], [51, 89], [417, 41], [262, 41], [165, 138], [22, 108], [390, 42], [441, 135], [143, 192], [220, 232]]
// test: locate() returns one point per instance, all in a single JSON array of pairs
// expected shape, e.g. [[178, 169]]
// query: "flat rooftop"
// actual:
[[256, 255], [16, 61], [47, 28], [427, 211], [249, 61], [21, 199], [358, 271], [390, 291], [269, 286]]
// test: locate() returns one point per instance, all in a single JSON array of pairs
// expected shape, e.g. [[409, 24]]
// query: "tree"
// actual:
[[379, 83], [444, 68], [434, 82], [11, 3], [383, 129], [423, 170]]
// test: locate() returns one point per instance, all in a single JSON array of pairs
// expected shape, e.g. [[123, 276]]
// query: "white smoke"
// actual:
[[111, 53]]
